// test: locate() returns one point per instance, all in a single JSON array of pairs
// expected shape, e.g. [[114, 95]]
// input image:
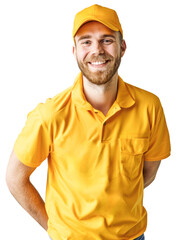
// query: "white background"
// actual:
[[36, 63]]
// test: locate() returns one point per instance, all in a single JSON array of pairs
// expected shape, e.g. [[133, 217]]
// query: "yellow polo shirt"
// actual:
[[95, 162]]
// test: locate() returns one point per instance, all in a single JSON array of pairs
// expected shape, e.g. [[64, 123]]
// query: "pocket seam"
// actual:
[[130, 145]]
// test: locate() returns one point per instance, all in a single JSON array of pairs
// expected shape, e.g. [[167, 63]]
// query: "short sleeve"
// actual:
[[159, 144], [33, 143]]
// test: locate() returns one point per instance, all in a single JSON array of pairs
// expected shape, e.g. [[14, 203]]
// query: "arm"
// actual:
[[18, 182], [149, 171]]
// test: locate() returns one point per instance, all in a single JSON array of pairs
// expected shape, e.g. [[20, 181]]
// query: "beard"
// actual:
[[100, 76]]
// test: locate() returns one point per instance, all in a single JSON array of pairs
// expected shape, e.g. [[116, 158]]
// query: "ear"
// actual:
[[123, 47], [74, 51]]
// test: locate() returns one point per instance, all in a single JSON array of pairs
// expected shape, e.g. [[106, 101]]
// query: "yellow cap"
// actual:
[[104, 15]]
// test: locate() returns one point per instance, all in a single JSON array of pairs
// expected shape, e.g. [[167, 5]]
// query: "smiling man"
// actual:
[[104, 140], [98, 52]]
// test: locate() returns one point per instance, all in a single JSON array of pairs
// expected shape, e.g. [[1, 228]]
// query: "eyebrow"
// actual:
[[108, 35], [84, 37], [89, 36]]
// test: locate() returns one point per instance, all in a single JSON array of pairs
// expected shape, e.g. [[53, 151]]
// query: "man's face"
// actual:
[[98, 52]]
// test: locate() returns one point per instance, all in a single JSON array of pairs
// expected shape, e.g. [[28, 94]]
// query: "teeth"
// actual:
[[98, 63]]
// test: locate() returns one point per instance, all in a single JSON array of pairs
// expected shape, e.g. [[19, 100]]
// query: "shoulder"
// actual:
[[52, 106], [143, 97]]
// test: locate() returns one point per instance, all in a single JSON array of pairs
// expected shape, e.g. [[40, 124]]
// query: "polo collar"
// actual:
[[123, 100]]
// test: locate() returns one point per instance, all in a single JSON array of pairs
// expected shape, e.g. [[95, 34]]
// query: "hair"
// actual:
[[120, 37]]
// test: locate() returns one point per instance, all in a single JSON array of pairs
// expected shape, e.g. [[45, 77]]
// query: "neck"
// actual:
[[101, 97]]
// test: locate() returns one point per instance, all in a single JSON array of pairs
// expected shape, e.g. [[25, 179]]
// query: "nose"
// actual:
[[97, 48]]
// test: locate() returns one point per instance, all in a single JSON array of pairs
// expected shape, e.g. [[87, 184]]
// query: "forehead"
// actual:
[[94, 28]]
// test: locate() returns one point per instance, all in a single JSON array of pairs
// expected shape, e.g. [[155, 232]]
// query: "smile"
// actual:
[[98, 64]]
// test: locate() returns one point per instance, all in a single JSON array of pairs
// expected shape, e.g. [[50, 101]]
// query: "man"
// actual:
[[104, 140]]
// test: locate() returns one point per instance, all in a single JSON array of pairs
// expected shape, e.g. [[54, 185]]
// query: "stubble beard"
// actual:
[[100, 77]]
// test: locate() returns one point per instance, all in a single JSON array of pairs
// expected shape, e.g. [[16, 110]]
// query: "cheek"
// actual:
[[82, 54], [113, 51]]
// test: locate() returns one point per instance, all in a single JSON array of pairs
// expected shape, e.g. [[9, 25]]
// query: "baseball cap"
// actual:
[[104, 15]]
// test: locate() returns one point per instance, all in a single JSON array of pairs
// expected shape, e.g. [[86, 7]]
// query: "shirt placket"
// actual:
[[103, 120]]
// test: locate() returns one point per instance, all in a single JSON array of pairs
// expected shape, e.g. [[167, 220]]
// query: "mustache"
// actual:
[[99, 58]]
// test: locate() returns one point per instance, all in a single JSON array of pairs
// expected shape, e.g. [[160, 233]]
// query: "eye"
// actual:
[[107, 41], [86, 43]]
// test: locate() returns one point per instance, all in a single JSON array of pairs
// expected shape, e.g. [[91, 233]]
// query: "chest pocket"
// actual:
[[131, 156]]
